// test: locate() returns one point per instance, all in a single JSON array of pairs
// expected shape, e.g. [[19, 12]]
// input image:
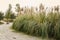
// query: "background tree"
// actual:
[[1, 16], [12, 16], [18, 9], [8, 13]]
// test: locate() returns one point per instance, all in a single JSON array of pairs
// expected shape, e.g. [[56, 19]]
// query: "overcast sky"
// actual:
[[23, 3]]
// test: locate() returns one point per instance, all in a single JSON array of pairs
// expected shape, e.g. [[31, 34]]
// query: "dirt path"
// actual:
[[7, 34]]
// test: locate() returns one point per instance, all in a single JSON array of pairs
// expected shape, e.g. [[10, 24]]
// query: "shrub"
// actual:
[[39, 25], [53, 25], [29, 24]]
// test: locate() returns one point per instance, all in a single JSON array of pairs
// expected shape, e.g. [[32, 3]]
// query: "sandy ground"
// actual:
[[8, 34]]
